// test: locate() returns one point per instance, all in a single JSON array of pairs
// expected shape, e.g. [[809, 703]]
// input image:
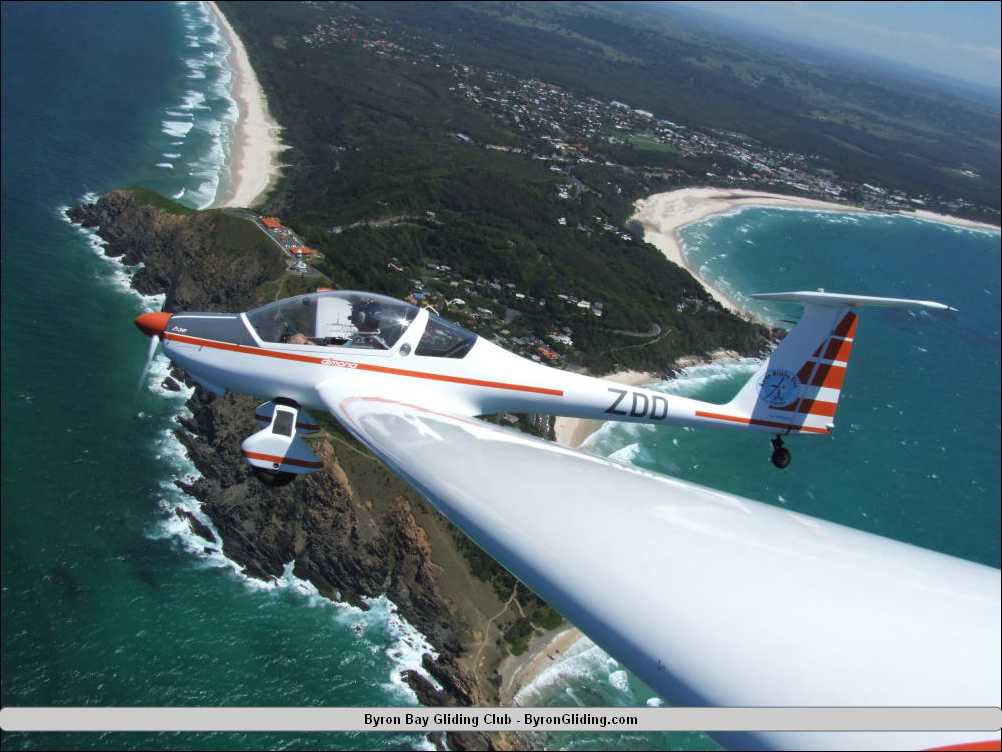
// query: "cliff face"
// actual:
[[353, 529], [202, 260]]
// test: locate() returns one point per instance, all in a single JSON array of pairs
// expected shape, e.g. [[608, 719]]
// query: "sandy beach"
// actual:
[[544, 650], [946, 219], [663, 216], [571, 432], [256, 143]]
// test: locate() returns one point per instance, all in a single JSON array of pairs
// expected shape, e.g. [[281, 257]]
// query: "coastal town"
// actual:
[[578, 184], [299, 255], [569, 130]]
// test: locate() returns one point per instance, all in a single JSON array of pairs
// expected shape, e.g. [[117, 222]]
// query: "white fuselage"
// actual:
[[488, 380]]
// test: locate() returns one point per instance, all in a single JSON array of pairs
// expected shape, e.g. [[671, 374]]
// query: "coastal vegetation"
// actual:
[[513, 152], [149, 197], [373, 139], [369, 70], [354, 530]]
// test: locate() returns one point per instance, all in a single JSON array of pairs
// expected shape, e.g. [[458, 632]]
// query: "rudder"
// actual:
[[797, 388]]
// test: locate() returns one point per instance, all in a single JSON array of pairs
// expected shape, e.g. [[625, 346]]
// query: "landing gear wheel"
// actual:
[[780, 454]]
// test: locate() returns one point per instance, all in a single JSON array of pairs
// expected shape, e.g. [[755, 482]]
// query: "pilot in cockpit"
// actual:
[[349, 319], [365, 318]]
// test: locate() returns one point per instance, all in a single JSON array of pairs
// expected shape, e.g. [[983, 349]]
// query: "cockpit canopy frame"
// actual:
[[355, 320]]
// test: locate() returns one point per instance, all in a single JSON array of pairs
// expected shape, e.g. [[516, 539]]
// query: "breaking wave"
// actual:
[[206, 113]]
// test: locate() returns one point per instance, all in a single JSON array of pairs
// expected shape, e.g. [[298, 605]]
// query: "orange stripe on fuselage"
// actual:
[[757, 422], [989, 745], [266, 353], [279, 460]]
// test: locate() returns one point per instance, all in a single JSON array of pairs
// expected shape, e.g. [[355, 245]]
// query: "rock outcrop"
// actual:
[[353, 529]]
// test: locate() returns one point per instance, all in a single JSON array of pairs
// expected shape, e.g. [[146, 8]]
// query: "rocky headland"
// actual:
[[353, 529]]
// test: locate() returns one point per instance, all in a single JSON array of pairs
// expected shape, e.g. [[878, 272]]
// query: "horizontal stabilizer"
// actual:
[[839, 300]]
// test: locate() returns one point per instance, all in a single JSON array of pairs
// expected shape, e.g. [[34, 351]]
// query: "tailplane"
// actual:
[[797, 388]]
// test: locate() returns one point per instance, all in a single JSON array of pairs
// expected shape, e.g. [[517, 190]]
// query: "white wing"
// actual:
[[710, 598]]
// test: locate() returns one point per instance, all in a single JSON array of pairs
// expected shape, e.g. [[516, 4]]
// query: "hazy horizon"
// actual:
[[960, 40]]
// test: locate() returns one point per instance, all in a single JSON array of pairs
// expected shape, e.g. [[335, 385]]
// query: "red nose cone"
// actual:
[[152, 324]]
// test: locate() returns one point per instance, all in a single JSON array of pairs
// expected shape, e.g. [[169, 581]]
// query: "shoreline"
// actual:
[[925, 215], [185, 508], [518, 672], [664, 215], [571, 432], [255, 143]]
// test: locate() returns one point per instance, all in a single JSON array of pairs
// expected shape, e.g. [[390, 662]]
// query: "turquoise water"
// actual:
[[105, 598], [105, 601], [916, 450], [915, 455]]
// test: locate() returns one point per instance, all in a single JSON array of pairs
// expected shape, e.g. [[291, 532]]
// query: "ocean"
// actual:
[[915, 455], [916, 448], [106, 599]]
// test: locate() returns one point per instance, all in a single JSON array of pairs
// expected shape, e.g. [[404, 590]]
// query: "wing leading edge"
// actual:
[[712, 599]]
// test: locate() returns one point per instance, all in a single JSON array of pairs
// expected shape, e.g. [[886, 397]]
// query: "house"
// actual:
[[547, 353], [272, 223]]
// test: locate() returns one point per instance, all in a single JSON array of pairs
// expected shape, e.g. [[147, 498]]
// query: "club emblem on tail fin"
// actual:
[[779, 388]]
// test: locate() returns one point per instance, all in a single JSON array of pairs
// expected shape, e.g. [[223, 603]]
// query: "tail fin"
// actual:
[[797, 389]]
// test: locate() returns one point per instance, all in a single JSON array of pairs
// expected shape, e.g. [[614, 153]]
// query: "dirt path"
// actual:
[[487, 624]]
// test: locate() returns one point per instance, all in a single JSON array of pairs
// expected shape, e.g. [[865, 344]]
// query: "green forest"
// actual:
[[373, 137]]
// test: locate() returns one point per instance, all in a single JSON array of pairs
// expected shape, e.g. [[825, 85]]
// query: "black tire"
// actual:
[[781, 457]]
